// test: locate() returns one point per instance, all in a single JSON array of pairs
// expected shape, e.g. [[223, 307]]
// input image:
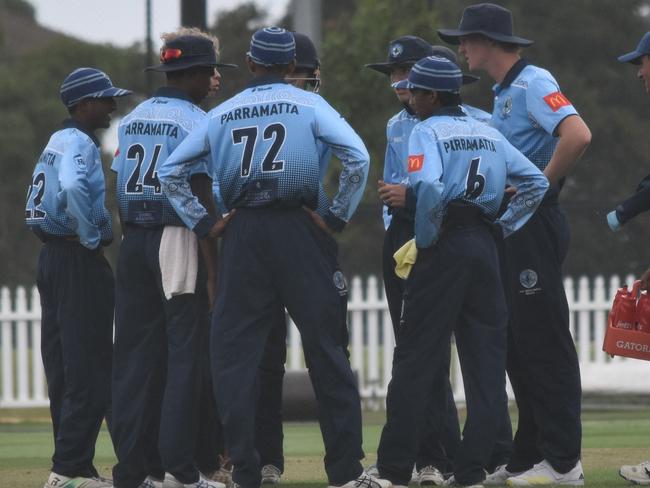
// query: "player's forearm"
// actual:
[[575, 137]]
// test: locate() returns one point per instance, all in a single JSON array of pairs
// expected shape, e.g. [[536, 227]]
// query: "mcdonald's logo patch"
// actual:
[[556, 101], [415, 163]]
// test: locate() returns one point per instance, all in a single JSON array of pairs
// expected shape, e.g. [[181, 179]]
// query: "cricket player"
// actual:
[[65, 209], [268, 417], [158, 304], [640, 200], [457, 168], [637, 203], [262, 147], [531, 111]]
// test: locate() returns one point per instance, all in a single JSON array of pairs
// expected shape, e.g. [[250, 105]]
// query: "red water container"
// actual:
[[643, 313], [617, 301], [625, 313]]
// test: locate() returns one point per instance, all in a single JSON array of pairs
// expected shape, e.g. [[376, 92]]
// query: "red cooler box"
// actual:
[[628, 326]]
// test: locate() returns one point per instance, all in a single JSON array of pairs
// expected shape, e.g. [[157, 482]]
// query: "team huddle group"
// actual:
[[226, 225]]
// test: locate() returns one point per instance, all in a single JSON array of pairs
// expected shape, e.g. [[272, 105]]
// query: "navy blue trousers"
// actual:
[[77, 296], [542, 361], [453, 286], [438, 443], [272, 257], [154, 338], [269, 435]]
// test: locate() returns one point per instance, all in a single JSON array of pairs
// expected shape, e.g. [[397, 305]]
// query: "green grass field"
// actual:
[[610, 439]]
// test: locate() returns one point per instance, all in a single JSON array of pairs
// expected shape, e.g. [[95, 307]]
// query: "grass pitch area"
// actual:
[[610, 439]]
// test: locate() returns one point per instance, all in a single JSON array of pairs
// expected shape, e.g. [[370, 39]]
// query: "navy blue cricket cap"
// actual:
[[88, 83], [186, 52], [435, 73], [272, 46], [492, 21], [403, 50], [641, 50], [306, 55]]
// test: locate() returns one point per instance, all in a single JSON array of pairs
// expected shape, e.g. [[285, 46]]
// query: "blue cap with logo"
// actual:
[[272, 46], [403, 50], [435, 73], [641, 50], [88, 83]]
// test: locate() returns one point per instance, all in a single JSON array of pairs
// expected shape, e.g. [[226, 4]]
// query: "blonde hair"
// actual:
[[167, 37]]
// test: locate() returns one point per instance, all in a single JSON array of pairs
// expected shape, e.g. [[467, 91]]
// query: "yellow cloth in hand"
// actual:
[[405, 258]]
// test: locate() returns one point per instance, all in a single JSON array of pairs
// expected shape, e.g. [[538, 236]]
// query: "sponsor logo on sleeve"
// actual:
[[415, 163], [556, 101]]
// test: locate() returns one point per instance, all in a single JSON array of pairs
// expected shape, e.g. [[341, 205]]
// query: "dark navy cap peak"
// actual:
[[641, 50], [492, 21], [403, 50], [186, 52]]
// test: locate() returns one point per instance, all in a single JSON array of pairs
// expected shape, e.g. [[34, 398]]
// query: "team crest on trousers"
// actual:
[[340, 283], [528, 279]]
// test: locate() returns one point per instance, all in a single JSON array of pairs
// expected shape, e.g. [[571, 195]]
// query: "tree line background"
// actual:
[[577, 41]]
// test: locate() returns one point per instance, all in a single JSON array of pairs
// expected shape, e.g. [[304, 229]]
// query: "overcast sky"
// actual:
[[122, 22]]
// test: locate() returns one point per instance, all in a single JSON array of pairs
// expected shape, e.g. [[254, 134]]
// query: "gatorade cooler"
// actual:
[[624, 336]]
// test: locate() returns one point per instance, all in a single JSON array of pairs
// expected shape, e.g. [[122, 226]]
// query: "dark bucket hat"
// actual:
[[641, 50], [186, 52], [488, 19], [404, 50]]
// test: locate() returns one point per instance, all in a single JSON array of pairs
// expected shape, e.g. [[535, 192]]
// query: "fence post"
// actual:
[[22, 346], [356, 306], [7, 347], [601, 306], [37, 363], [295, 344], [372, 305], [584, 339], [389, 342]]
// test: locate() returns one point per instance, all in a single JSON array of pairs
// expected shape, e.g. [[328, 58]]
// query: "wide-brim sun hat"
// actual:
[[186, 52], [487, 19]]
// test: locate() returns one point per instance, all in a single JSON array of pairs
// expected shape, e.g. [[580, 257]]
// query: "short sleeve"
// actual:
[[546, 104]]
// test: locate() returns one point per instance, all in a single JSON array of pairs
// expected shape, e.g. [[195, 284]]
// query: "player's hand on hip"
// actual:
[[218, 228], [393, 195], [318, 220]]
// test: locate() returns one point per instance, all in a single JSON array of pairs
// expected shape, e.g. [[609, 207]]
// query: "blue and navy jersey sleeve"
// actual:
[[425, 177], [531, 186], [348, 147], [546, 104], [175, 172], [76, 162]]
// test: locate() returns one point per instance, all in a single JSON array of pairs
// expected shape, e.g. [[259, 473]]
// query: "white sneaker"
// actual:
[[451, 481], [151, 482], [544, 474], [172, 482], [639, 474], [372, 470], [430, 475], [60, 481], [270, 474], [499, 476], [365, 481]]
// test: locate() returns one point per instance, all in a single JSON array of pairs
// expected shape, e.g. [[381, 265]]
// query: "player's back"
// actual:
[[265, 145], [472, 156], [147, 135]]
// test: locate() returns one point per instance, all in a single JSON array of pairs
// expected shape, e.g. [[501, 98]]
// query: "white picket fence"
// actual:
[[22, 382]]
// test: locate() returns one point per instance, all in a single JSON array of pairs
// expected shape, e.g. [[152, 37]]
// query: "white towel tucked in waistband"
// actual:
[[178, 258]]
